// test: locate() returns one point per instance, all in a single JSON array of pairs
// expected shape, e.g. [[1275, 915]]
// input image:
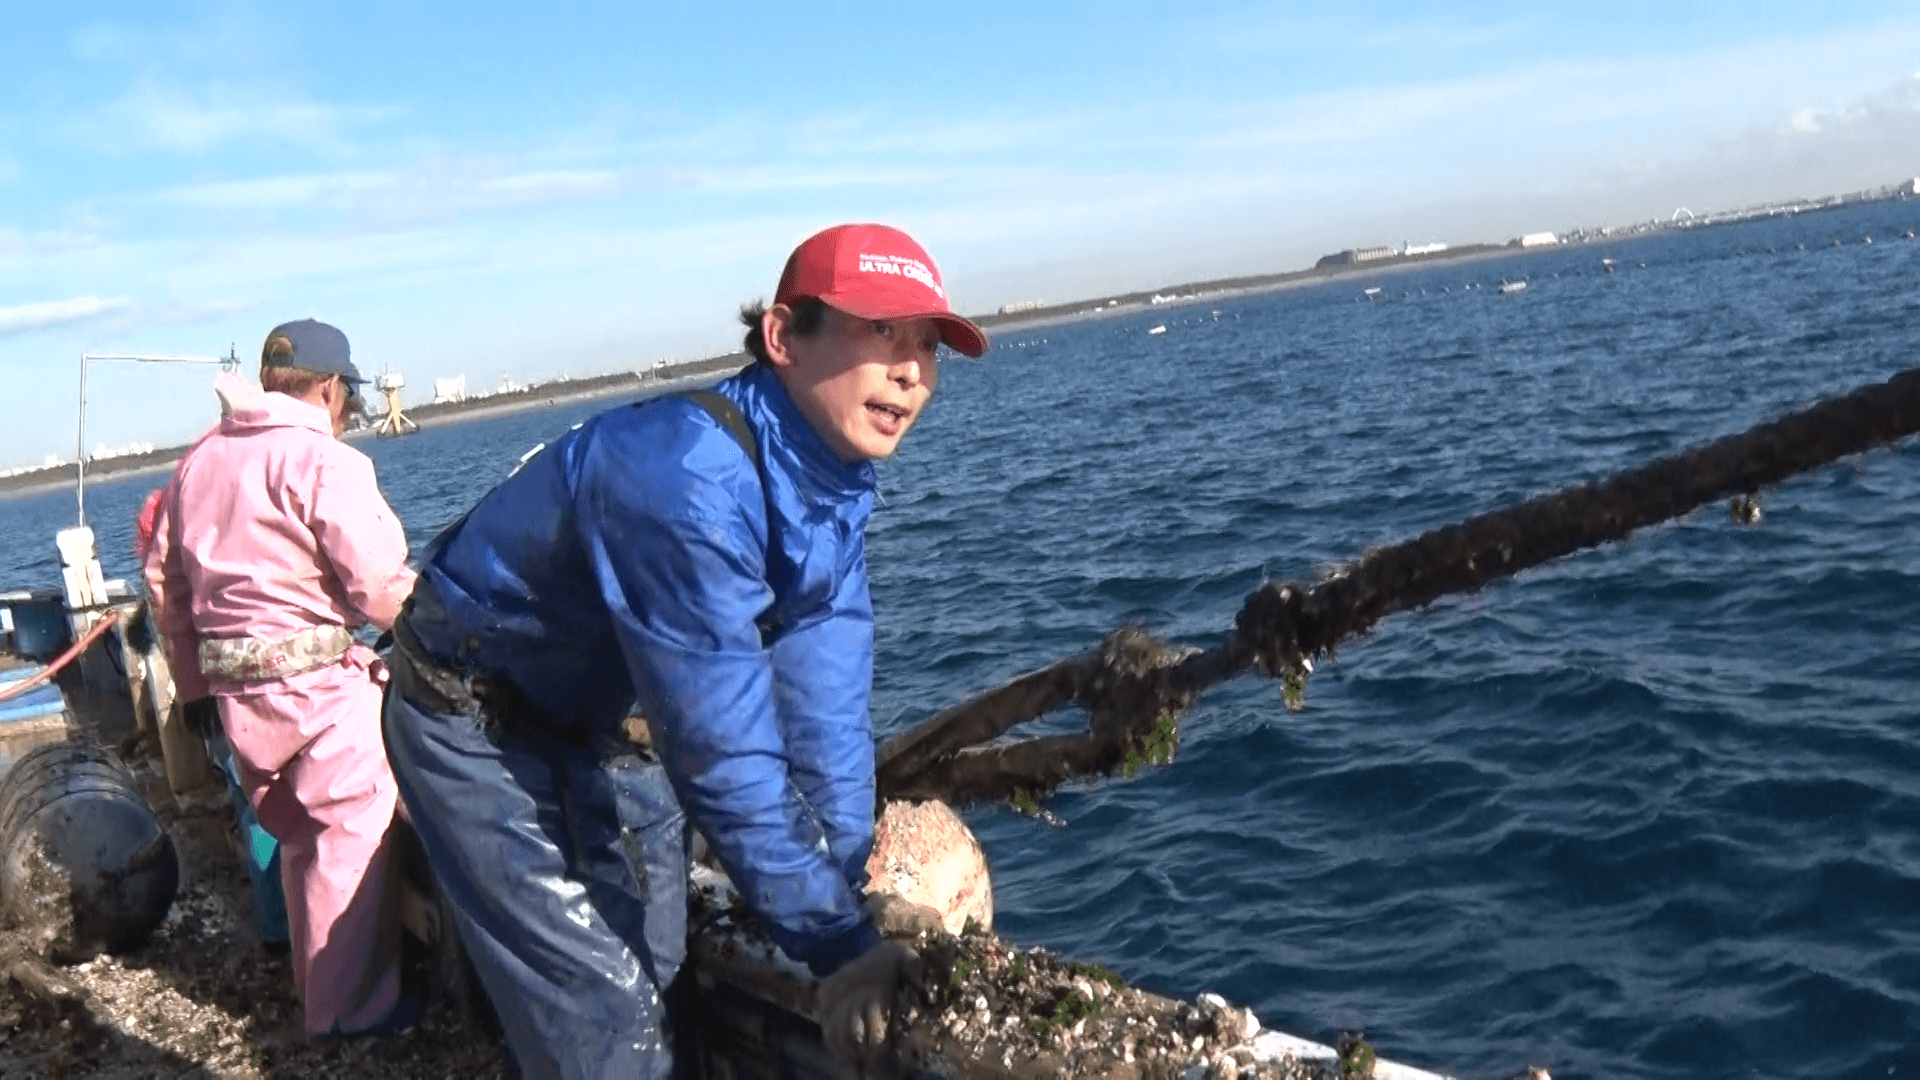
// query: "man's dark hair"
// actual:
[[808, 314]]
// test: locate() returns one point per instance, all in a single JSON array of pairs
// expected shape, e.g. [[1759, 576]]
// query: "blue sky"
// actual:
[[492, 189]]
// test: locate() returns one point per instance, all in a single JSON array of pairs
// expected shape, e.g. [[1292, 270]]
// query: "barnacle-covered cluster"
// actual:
[[998, 1010]]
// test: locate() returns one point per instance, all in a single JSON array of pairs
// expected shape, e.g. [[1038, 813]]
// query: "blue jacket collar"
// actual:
[[789, 441]]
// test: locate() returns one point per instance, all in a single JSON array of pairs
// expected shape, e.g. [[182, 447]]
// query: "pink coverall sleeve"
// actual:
[[171, 600], [360, 536]]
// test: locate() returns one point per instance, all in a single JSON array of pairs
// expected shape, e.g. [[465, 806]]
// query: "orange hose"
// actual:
[[64, 658]]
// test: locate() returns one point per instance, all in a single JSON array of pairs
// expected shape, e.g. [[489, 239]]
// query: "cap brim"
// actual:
[[959, 333]]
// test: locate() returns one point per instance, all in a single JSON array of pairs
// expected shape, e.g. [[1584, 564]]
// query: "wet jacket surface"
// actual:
[[641, 562]]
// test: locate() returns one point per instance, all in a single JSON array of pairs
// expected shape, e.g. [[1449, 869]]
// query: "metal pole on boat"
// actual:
[[229, 362], [80, 447]]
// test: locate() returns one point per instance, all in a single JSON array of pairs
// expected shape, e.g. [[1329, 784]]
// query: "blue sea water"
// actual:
[[1650, 812]]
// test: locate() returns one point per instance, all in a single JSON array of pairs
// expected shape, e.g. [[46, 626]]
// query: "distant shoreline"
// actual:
[[547, 395], [555, 394], [38, 481], [1220, 288], [1228, 288], [62, 477]]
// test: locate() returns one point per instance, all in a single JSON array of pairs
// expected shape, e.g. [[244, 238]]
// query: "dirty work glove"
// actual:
[[857, 1003], [895, 916], [202, 716]]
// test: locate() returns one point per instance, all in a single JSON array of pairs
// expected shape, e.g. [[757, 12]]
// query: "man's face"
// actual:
[[861, 383]]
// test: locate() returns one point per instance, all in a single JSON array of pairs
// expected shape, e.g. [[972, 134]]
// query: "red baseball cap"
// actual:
[[875, 272]]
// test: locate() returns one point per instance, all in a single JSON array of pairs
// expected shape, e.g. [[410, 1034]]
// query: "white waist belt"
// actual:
[[247, 659]]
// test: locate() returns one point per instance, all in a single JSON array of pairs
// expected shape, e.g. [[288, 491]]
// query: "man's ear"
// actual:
[[776, 329]]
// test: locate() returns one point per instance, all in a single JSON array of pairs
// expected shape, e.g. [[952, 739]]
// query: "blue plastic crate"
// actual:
[[40, 627]]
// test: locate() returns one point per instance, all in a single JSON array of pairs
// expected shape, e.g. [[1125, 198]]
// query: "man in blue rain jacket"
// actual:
[[701, 562]]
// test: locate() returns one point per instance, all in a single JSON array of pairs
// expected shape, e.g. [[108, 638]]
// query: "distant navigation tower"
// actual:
[[395, 422]]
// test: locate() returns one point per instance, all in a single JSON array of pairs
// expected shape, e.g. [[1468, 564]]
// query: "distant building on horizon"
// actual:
[[103, 452], [1353, 256], [53, 461], [450, 389], [1538, 239]]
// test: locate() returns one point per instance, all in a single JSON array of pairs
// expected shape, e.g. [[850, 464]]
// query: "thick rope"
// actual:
[[1135, 690]]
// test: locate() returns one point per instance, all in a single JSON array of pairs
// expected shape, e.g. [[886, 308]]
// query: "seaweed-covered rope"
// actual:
[[1135, 690]]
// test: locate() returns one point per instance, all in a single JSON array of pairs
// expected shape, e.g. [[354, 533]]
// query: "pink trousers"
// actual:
[[313, 765]]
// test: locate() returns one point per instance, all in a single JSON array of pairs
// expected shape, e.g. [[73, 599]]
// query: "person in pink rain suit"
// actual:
[[274, 544]]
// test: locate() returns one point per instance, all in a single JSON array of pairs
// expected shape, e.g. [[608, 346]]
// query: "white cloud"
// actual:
[[794, 177], [1902, 100], [200, 84], [27, 318], [1267, 29], [47, 242], [156, 113], [1430, 38], [173, 313], [427, 191], [438, 190], [452, 189], [883, 137], [272, 193]]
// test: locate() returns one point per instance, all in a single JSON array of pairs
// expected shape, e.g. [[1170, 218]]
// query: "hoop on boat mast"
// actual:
[[229, 362]]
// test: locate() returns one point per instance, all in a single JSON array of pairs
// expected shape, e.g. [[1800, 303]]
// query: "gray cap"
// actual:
[[317, 347]]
